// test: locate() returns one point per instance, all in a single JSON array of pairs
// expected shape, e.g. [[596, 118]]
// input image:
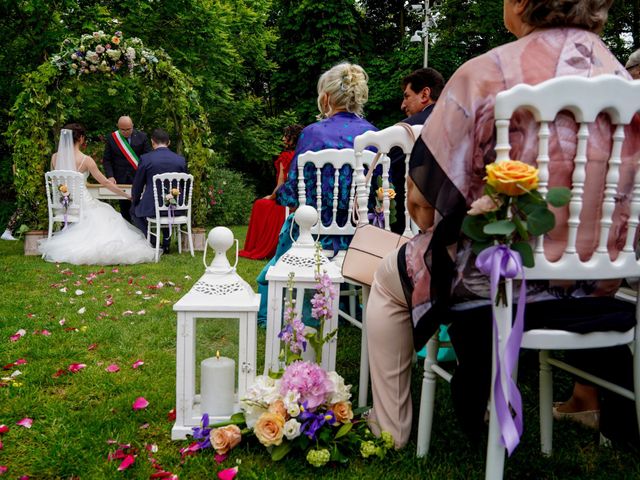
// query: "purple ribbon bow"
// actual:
[[171, 213], [65, 204], [376, 219], [500, 261]]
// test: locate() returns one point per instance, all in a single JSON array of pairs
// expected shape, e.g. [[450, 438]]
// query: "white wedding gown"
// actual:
[[101, 237]]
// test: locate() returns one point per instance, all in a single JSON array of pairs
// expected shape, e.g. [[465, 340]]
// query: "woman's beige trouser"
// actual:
[[390, 341]]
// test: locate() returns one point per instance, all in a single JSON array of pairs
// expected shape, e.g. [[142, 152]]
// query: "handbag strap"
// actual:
[[355, 215]]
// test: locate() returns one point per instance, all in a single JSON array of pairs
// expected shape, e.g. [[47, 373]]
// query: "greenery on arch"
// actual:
[[94, 80]]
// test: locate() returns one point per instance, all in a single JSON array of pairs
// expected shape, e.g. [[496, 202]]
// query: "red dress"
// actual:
[[266, 220]]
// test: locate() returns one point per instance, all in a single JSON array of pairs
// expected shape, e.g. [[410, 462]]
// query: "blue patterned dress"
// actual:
[[337, 131]]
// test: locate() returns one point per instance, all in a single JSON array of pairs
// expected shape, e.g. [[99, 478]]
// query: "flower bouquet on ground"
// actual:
[[302, 407]]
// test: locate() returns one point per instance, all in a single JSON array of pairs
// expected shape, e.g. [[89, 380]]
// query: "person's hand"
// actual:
[[128, 197], [111, 180], [269, 197]]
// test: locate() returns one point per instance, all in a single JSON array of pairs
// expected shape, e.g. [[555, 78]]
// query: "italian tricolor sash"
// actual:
[[126, 149]]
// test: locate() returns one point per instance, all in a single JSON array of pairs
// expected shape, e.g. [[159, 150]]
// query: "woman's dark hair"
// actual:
[[291, 134], [78, 131], [588, 14]]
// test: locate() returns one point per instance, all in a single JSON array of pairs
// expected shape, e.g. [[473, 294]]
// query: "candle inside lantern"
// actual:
[[217, 386]]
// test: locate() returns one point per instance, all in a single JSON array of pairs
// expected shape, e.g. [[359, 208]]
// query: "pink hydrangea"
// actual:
[[309, 380]]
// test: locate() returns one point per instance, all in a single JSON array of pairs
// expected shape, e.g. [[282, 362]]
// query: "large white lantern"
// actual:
[[219, 294], [301, 260]]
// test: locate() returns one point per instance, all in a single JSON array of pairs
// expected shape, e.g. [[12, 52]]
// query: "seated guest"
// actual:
[[342, 94], [267, 216], [433, 278], [160, 160], [420, 90]]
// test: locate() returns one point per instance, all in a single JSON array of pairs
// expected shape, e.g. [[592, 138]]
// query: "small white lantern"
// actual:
[[219, 294], [301, 260]]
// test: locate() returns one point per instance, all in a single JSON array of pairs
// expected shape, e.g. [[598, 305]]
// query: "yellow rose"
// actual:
[[512, 177], [175, 192], [279, 408], [342, 411], [225, 438], [63, 188], [269, 429], [390, 192]]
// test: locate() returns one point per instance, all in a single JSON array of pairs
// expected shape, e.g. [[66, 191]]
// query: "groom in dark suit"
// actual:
[[122, 155], [160, 160]]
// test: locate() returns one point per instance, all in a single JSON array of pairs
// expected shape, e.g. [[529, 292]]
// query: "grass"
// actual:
[[75, 415]]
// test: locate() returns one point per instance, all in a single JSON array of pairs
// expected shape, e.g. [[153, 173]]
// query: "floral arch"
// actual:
[[94, 80]]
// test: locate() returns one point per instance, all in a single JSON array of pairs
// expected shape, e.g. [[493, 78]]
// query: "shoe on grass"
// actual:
[[7, 235], [588, 418]]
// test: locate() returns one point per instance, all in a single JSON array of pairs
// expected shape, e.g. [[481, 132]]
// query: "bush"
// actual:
[[229, 198]]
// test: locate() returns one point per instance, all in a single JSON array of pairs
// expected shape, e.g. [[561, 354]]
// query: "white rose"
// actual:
[[293, 410], [131, 53], [341, 392], [114, 54], [292, 429], [252, 413]]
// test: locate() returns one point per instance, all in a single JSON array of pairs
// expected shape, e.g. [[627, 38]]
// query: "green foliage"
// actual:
[[228, 198], [51, 97]]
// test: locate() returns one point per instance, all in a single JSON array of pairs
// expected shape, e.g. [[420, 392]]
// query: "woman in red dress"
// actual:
[[267, 216]]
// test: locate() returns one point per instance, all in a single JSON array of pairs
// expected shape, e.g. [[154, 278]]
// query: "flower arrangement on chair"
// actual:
[[171, 198], [501, 225], [302, 407], [65, 200], [377, 216]]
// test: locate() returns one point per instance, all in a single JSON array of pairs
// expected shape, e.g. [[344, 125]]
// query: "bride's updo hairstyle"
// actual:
[[78, 131], [346, 87], [586, 14]]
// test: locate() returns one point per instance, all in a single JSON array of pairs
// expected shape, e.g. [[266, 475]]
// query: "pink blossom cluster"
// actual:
[[309, 380]]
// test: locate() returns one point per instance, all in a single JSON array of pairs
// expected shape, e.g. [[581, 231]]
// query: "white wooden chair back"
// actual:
[[585, 98], [384, 141], [74, 182], [163, 183], [337, 159]]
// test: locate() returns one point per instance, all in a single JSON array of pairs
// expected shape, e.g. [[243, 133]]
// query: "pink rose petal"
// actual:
[[25, 422], [46, 333], [228, 474], [3, 469], [76, 367], [220, 458], [127, 462], [115, 270], [63, 321], [3, 429], [93, 346], [140, 403], [20, 361], [137, 364], [113, 368]]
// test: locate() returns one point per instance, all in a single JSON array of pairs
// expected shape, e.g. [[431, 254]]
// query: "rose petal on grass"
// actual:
[[115, 270], [171, 416], [46, 333], [141, 312], [25, 422], [3, 429], [62, 321], [93, 346], [77, 283], [127, 462], [109, 301], [3, 469], [18, 335], [59, 373], [113, 368], [220, 458], [63, 290], [79, 292], [228, 474], [20, 361], [82, 310], [111, 441], [126, 313], [152, 447], [76, 367], [138, 363], [140, 403]]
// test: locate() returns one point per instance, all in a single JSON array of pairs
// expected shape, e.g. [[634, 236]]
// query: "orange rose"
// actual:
[[63, 188], [115, 40], [512, 177], [225, 438], [342, 411], [279, 408], [269, 429]]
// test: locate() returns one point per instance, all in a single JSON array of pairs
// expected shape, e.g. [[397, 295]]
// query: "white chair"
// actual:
[[337, 159], [57, 212], [585, 99], [163, 183], [383, 141]]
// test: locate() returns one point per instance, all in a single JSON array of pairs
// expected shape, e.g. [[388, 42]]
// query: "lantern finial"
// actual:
[[220, 239], [306, 217]]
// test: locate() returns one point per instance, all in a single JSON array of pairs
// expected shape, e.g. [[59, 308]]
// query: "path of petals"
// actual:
[[140, 403], [25, 422], [113, 368], [228, 474]]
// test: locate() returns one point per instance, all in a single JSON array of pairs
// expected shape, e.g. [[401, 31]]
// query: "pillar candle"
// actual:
[[217, 386]]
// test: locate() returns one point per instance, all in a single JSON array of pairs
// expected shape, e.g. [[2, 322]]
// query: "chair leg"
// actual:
[[353, 294], [494, 468], [157, 242], [363, 387], [179, 233], [427, 397], [546, 403], [190, 238]]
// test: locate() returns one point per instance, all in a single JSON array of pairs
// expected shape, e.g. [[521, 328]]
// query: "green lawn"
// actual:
[[75, 415]]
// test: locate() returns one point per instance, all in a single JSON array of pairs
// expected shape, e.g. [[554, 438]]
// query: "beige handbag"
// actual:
[[370, 244], [368, 247]]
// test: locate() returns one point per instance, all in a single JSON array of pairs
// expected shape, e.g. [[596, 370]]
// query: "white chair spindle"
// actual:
[[577, 190], [611, 188]]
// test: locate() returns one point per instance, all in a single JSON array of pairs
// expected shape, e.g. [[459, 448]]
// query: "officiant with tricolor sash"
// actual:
[[121, 156]]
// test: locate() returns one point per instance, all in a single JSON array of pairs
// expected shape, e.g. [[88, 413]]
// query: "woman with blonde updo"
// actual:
[[342, 94]]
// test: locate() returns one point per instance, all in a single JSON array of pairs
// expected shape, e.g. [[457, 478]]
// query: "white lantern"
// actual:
[[219, 294], [301, 260]]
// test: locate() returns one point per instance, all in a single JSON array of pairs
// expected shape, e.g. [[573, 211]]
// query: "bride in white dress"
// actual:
[[102, 236]]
